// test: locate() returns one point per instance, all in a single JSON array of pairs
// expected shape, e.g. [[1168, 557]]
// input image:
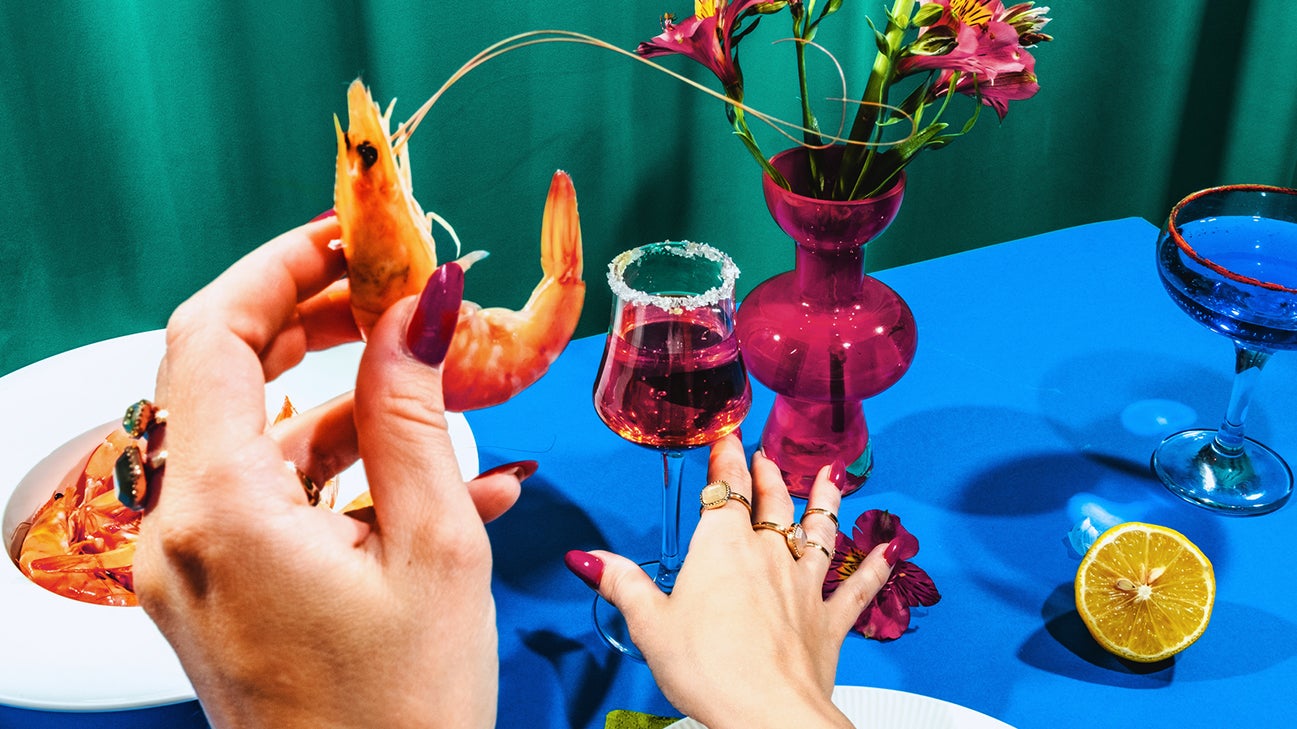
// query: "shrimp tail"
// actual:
[[497, 353], [560, 233]]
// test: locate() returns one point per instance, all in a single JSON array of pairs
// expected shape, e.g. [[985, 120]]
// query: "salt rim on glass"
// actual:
[[684, 249]]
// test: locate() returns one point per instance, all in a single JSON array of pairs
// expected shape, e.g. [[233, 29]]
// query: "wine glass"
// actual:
[[671, 377], [1228, 257]]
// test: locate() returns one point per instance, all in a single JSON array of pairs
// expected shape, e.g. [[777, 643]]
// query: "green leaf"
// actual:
[[977, 111], [910, 147], [880, 40], [912, 105]]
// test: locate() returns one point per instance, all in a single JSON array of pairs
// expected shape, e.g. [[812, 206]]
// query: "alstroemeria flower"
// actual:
[[710, 36], [972, 37], [888, 616], [996, 94], [1028, 21]]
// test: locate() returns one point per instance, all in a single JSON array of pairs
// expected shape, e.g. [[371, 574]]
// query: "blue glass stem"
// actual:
[[673, 471], [1247, 370]]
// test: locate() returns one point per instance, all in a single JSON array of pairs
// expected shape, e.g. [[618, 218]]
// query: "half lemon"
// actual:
[[1144, 591]]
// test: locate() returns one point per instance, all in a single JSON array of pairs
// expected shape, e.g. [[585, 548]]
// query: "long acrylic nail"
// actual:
[[837, 472], [586, 566], [520, 469], [433, 323], [893, 552], [326, 214]]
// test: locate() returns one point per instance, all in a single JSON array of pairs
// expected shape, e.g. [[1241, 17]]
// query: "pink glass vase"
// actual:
[[825, 335]]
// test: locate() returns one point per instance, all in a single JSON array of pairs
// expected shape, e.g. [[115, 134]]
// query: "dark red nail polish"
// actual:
[[326, 214], [586, 566], [433, 323], [893, 552], [837, 472], [521, 469]]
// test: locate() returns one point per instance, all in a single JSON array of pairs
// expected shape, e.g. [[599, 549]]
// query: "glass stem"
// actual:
[[673, 471], [1247, 370]]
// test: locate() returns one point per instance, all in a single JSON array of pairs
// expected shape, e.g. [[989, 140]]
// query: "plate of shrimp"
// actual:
[[53, 644]]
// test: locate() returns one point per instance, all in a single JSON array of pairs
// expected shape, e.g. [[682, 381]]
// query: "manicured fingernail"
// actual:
[[433, 323], [893, 552], [837, 472], [520, 469], [586, 566], [326, 214]]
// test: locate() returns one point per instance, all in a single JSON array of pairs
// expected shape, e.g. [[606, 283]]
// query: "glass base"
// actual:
[[804, 436], [612, 629], [1256, 481], [610, 624]]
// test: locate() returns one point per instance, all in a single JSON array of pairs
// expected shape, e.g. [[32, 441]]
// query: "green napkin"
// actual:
[[622, 719]]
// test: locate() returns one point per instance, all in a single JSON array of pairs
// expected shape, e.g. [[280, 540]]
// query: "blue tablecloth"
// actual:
[[1048, 369]]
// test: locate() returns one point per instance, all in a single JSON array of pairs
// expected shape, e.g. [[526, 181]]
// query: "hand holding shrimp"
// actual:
[[251, 585], [388, 247]]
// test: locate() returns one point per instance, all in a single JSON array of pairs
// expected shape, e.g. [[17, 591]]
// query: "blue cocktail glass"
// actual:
[[1228, 257]]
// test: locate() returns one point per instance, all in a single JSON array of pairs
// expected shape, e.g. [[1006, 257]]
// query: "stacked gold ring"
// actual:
[[794, 536], [817, 510], [827, 551]]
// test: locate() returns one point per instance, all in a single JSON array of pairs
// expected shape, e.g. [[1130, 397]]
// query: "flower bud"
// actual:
[[927, 14], [937, 41]]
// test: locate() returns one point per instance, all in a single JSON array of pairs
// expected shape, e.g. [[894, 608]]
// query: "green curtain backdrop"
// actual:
[[147, 145]]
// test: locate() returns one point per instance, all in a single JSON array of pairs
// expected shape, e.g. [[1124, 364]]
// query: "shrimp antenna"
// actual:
[[536, 37]]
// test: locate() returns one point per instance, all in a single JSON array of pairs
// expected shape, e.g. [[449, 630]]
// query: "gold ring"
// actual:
[[794, 536], [818, 510], [717, 494], [827, 552], [141, 417]]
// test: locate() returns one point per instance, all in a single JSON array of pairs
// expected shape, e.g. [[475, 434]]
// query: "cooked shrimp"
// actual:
[[387, 240], [81, 543]]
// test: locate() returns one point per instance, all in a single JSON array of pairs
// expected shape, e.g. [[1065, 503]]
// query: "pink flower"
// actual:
[[985, 43], [970, 36], [996, 94], [1028, 21], [710, 37], [888, 616]]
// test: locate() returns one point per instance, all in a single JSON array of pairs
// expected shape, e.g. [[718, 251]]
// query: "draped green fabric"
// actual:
[[147, 145]]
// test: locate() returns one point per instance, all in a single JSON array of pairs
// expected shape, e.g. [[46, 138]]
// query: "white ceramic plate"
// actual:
[[876, 707], [62, 654]]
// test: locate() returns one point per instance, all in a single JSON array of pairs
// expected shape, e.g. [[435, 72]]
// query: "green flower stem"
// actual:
[[744, 134], [856, 160], [803, 30]]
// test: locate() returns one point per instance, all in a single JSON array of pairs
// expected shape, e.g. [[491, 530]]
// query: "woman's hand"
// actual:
[[287, 615], [745, 638]]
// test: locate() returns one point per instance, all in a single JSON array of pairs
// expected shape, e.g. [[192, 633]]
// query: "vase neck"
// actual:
[[830, 276]]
